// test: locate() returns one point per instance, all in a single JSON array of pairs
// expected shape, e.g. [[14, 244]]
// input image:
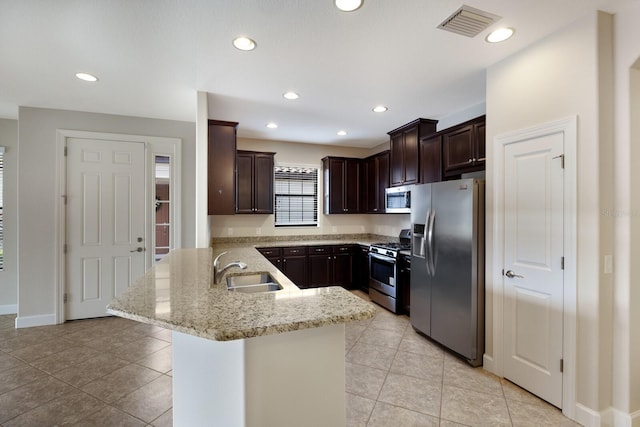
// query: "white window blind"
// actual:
[[296, 194]]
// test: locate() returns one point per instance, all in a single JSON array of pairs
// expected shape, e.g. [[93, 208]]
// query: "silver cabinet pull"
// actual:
[[510, 274]]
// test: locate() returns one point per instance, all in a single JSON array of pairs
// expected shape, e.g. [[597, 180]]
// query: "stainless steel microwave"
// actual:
[[397, 199]]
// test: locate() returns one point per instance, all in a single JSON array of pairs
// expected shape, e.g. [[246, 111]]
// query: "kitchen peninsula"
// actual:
[[246, 359]]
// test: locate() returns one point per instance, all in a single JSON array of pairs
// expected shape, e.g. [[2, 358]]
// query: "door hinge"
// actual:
[[65, 298], [562, 263], [64, 197], [561, 365], [65, 151], [561, 157], [64, 248]]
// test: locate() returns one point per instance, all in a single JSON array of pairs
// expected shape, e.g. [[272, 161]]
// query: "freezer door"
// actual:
[[454, 296], [420, 288]]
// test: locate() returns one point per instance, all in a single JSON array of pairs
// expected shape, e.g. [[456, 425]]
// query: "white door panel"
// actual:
[[105, 222], [533, 305]]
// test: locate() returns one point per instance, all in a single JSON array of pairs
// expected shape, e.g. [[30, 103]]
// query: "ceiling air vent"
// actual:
[[468, 21]]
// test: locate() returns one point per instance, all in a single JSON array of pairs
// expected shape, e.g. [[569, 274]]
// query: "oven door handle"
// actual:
[[382, 258]]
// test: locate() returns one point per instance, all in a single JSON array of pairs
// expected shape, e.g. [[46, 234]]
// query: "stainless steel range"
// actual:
[[383, 272]]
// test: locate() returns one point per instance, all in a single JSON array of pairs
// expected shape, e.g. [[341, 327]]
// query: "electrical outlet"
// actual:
[[334, 229], [258, 230], [229, 231]]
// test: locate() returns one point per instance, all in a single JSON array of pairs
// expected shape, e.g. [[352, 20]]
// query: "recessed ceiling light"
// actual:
[[500, 35], [290, 95], [244, 43], [272, 125], [379, 109], [342, 132], [348, 5], [87, 77]]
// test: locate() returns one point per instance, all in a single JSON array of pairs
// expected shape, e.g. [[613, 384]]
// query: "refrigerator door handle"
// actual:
[[426, 243], [431, 262]]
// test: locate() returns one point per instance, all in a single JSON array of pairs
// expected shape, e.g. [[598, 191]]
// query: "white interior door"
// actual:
[[533, 264], [105, 222]]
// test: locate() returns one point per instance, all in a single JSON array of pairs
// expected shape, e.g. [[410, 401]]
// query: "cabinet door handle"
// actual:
[[470, 161]]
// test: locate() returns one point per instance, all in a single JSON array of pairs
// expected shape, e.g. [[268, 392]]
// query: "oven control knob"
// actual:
[[389, 253]]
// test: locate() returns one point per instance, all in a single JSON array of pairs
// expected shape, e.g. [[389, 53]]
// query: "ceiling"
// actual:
[[153, 56]]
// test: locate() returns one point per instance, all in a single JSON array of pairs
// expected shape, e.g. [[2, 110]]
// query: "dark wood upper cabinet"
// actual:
[[463, 147], [254, 182], [405, 151], [341, 185], [375, 181], [431, 159], [221, 163]]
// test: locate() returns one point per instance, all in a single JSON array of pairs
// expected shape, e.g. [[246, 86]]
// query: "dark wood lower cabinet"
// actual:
[[320, 270], [361, 268], [294, 265], [343, 266], [316, 266], [404, 282]]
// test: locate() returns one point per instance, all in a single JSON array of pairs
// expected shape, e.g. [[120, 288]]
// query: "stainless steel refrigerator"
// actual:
[[447, 265]]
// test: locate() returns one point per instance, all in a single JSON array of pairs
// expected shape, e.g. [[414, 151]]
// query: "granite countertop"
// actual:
[[178, 294]]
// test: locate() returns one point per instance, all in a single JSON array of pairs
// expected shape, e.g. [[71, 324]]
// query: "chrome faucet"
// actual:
[[217, 272]]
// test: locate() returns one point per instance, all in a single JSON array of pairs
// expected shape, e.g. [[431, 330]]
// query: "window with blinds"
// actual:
[[296, 194]]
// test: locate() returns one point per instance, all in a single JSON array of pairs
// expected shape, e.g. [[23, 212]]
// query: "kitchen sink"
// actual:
[[252, 283], [250, 289]]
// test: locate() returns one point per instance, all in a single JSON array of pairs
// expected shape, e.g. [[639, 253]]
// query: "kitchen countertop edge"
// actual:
[[176, 294]]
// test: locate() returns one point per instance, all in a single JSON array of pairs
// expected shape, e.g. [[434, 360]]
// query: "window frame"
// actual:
[[316, 196]]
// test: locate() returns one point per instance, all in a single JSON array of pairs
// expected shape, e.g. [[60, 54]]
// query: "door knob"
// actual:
[[138, 249], [510, 274]]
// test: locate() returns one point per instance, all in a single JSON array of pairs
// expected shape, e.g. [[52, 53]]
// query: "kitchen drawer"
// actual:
[[342, 249], [319, 250], [270, 252], [294, 251]]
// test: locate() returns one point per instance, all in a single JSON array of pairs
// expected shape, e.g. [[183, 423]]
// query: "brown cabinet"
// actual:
[[328, 265], [361, 268], [405, 152], [463, 148], [341, 185], [221, 164], [294, 265], [320, 266], [292, 261], [404, 282], [431, 159], [375, 181], [343, 265], [254, 182]]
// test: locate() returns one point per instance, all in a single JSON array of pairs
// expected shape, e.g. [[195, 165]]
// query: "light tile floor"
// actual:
[[116, 372]]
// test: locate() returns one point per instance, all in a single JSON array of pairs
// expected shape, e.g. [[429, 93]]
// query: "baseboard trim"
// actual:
[[610, 417], [39, 320], [588, 417], [9, 309], [622, 419], [489, 364]]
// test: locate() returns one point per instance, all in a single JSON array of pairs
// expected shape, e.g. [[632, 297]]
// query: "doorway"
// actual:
[[534, 259], [110, 186]]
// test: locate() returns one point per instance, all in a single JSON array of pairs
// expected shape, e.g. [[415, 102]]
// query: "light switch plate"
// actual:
[[608, 264]]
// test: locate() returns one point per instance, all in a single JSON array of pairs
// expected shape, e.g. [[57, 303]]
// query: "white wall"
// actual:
[[305, 154], [37, 188], [558, 77], [9, 276], [626, 330]]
